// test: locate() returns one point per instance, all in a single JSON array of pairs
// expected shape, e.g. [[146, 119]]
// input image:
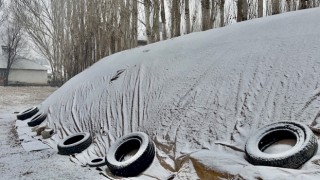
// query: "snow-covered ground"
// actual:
[[15, 162], [199, 97]]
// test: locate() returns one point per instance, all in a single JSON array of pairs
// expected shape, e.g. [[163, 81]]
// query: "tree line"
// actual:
[[74, 34]]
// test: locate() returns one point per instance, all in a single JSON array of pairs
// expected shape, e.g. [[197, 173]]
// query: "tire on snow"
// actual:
[[37, 119], [28, 113], [96, 162], [75, 143], [121, 164], [305, 147]]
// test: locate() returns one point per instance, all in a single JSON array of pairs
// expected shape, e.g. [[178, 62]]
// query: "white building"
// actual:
[[23, 72]]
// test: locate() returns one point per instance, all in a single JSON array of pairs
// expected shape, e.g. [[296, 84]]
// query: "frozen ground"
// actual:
[[15, 162]]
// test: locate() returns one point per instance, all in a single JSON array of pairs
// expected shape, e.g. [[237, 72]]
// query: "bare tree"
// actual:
[[242, 7], [222, 2], [152, 12], [195, 17], [260, 8], [205, 7], [74, 34], [175, 18], [275, 6], [156, 20], [303, 4], [134, 24], [289, 5], [163, 20], [14, 44], [37, 19], [214, 13], [3, 12], [187, 15]]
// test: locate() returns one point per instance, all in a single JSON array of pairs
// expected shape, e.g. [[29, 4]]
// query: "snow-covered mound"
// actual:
[[200, 96]]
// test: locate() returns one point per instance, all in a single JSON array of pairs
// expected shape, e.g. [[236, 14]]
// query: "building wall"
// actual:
[[23, 76]]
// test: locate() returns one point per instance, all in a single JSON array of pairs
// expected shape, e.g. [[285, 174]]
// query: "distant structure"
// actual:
[[23, 71]]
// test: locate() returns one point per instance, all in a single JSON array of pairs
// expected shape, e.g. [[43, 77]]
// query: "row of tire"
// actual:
[[133, 153], [33, 112], [139, 145], [127, 157]]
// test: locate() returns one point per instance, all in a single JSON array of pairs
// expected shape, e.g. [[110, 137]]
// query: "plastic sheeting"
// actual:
[[200, 96]]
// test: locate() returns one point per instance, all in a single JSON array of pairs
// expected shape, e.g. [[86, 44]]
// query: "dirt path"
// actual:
[[15, 162]]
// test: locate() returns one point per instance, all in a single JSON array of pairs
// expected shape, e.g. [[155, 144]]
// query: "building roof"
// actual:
[[21, 63]]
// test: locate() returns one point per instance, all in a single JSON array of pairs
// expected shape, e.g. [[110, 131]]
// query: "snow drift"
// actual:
[[200, 96]]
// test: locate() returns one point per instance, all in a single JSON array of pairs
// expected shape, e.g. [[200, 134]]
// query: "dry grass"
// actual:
[[13, 136], [12, 96]]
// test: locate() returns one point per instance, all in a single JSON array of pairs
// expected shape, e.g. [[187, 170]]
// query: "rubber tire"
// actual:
[[305, 147], [27, 113], [135, 165], [72, 144], [100, 162], [37, 119]]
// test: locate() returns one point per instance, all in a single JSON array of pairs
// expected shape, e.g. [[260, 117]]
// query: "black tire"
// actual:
[[139, 162], [28, 113], [100, 161], [306, 145], [37, 119], [75, 143]]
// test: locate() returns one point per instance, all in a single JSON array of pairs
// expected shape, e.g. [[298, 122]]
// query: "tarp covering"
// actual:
[[200, 96]]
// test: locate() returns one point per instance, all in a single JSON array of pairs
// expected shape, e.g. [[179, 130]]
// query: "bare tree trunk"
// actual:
[[268, 8], [310, 4], [222, 2], [289, 5], [122, 25], [134, 23], [275, 6], [4, 15], [163, 20], [156, 22], [175, 18], [214, 13], [147, 13], [295, 5], [242, 7], [187, 15], [205, 7], [194, 25], [260, 8]]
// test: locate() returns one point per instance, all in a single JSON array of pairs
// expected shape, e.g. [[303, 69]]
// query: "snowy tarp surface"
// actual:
[[200, 96]]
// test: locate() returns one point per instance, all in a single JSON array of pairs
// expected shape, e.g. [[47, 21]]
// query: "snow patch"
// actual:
[[280, 146]]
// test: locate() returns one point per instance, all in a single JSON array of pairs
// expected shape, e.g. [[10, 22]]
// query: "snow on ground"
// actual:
[[200, 96], [15, 162], [280, 146]]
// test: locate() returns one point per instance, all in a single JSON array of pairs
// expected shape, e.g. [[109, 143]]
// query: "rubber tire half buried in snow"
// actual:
[[37, 119], [28, 113], [305, 147], [138, 145], [96, 162], [75, 143]]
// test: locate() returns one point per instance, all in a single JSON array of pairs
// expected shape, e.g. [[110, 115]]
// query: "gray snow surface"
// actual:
[[200, 96]]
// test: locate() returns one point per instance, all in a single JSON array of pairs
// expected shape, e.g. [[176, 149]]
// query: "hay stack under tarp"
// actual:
[[200, 96]]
